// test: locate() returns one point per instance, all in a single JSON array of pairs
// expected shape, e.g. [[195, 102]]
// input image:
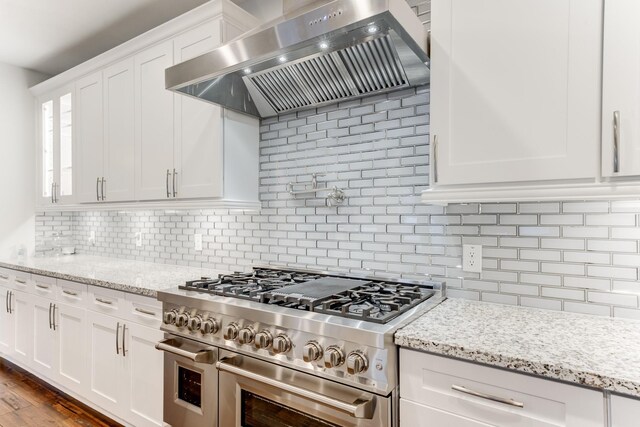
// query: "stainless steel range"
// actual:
[[284, 347]]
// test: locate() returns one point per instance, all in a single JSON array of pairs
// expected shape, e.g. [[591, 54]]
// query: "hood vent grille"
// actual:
[[353, 71]]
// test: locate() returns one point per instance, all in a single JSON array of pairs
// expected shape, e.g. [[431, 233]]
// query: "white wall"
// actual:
[[17, 159]]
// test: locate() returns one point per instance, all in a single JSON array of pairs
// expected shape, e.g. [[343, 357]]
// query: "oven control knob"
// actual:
[[209, 326], [311, 351], [263, 339], [194, 323], [357, 363], [282, 344], [169, 317], [246, 335], [231, 331], [333, 357], [182, 320]]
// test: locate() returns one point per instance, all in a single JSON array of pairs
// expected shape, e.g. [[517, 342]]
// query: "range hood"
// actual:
[[320, 54]]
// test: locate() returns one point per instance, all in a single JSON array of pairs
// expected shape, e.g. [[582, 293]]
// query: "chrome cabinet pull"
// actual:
[[104, 181], [465, 390], [104, 301], [435, 158], [175, 192], [124, 335], [50, 305], [10, 298], [53, 320], [38, 285], [616, 141], [21, 281], [98, 188], [143, 311], [52, 200], [117, 338], [4, 277], [359, 408], [167, 183], [64, 291], [169, 345]]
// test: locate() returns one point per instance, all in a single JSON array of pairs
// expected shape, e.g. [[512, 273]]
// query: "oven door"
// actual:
[[190, 383], [254, 393]]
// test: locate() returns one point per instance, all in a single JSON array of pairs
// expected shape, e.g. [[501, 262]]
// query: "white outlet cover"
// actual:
[[138, 239], [472, 258], [198, 241]]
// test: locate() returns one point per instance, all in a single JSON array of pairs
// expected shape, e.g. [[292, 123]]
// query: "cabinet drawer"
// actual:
[[105, 300], [466, 389], [144, 310], [416, 415], [19, 280], [43, 285], [72, 293]]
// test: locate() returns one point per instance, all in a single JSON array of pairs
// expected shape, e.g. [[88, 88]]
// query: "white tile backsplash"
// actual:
[[574, 256]]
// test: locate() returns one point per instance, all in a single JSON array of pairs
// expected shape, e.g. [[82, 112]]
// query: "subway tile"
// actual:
[[594, 309], [610, 298]]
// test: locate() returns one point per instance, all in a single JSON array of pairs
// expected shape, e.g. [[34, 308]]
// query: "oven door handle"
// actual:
[[201, 356], [360, 408]]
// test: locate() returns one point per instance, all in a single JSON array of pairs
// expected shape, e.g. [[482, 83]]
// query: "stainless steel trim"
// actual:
[[357, 409], [481, 395], [117, 337], [98, 188], [50, 305], [616, 141], [175, 174], [124, 337], [167, 183], [143, 311], [64, 291], [24, 282], [104, 301], [102, 186], [435, 158], [53, 321], [171, 345], [38, 285]]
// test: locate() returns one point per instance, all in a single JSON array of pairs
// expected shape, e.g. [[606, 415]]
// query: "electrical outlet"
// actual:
[[92, 237], [138, 239], [198, 241], [472, 258]]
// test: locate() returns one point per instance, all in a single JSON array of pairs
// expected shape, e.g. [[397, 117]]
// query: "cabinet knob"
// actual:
[[282, 344], [311, 352], [333, 357]]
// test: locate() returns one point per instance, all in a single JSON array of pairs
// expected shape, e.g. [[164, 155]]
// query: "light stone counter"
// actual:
[[594, 351], [143, 278]]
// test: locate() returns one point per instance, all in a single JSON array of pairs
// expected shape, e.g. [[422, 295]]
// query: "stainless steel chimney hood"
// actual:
[[321, 54]]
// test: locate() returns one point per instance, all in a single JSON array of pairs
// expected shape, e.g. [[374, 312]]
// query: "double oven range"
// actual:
[[285, 347]]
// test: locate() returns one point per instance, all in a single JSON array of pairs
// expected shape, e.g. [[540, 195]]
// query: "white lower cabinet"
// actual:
[[71, 367], [6, 324], [126, 369], [44, 337], [438, 391], [625, 412], [20, 307]]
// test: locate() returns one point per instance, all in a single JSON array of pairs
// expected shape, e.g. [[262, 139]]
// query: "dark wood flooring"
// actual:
[[27, 401]]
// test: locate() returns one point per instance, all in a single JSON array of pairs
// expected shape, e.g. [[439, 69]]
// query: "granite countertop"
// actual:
[[594, 351], [138, 277]]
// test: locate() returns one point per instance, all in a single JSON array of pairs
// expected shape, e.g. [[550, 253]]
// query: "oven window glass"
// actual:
[[189, 386], [260, 412]]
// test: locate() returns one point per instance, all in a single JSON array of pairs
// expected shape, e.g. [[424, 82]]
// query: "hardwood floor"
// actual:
[[26, 401]]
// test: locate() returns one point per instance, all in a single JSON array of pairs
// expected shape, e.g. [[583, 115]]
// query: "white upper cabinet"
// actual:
[[515, 91], [621, 89], [119, 131], [90, 138], [154, 173], [55, 154]]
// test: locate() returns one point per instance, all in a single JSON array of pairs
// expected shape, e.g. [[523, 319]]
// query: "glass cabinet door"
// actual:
[[56, 145]]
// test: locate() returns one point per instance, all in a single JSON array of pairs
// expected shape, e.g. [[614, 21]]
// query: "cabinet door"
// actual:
[[90, 136], [144, 375], [46, 156], [107, 387], [7, 327], [624, 411], [621, 89], [44, 337], [119, 131], [513, 100], [198, 125], [415, 415], [154, 131], [22, 312], [71, 335]]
